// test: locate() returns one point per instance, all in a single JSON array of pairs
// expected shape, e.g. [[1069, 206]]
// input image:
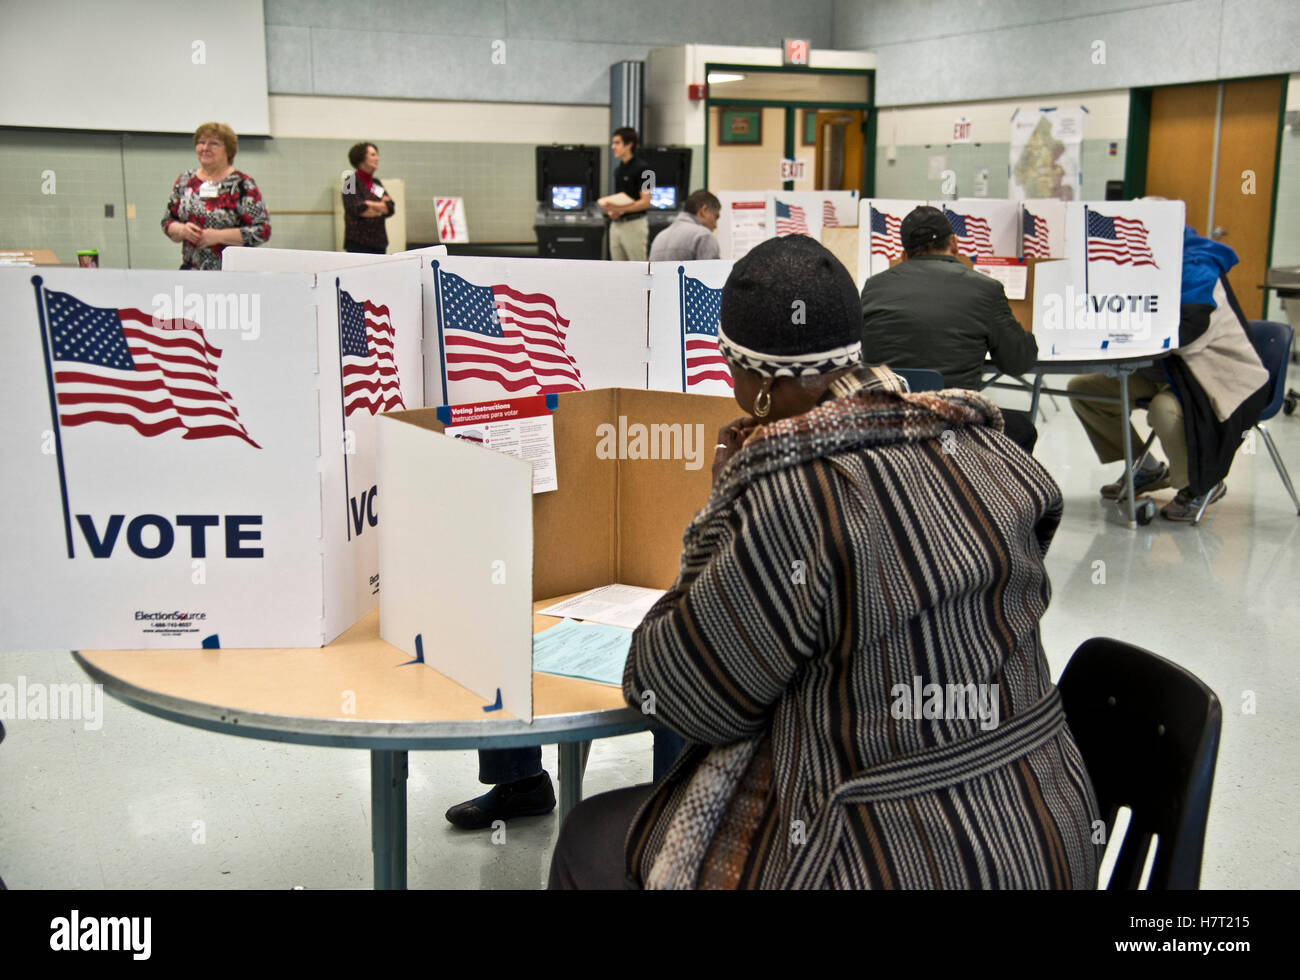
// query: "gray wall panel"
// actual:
[[1260, 37], [290, 69], [481, 17], [954, 51], [555, 51], [461, 68]]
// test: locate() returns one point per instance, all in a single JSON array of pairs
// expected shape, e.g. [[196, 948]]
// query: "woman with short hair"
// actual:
[[366, 205], [214, 205], [852, 647]]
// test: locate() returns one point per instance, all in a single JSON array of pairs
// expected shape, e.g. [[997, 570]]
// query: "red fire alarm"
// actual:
[[697, 92]]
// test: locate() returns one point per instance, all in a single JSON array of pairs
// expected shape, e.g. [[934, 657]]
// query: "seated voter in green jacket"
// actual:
[[932, 311]]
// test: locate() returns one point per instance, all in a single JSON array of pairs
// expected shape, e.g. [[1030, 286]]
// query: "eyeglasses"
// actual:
[[211, 143]]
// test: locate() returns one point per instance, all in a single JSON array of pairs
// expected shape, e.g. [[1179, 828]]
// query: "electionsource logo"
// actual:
[[177, 615]]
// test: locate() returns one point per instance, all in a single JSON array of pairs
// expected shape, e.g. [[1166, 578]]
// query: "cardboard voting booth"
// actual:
[[466, 546], [181, 442], [879, 244], [984, 227], [502, 327], [685, 301], [1042, 229], [241, 258], [1120, 285]]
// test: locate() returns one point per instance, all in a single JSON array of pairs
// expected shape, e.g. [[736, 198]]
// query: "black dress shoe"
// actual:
[[531, 797]]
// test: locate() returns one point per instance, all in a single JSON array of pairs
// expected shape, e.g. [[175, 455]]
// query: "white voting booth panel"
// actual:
[[984, 227], [793, 213], [879, 221], [1042, 229], [186, 437], [466, 547], [240, 258], [685, 298], [504, 327], [1120, 285], [376, 364], [456, 557]]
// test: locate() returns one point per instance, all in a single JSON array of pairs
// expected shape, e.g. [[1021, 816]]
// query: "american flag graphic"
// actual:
[[885, 235], [790, 219], [972, 233], [703, 360], [370, 379], [446, 208], [497, 333], [830, 219], [1034, 230], [1119, 240], [122, 367]]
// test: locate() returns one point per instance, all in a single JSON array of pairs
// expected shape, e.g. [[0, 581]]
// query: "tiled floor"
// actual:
[[145, 803]]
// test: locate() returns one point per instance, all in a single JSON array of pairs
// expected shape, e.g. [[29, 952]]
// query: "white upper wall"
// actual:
[[968, 50]]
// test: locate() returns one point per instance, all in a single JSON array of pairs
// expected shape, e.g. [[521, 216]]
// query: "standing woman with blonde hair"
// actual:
[[214, 205]]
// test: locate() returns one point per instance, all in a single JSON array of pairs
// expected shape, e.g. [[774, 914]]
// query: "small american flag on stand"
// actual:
[[790, 219], [830, 219], [703, 361], [1035, 236], [123, 367], [370, 378], [497, 333], [972, 233], [885, 232], [1119, 240]]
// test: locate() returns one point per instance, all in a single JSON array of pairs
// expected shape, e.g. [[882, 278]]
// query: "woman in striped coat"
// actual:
[[852, 647]]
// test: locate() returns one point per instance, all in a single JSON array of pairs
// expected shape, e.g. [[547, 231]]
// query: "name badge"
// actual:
[[207, 189], [379, 189]]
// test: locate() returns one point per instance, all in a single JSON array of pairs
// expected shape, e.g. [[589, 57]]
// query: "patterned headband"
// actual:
[[789, 365]]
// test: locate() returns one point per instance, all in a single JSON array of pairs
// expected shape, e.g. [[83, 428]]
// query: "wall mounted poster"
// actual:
[[1045, 153]]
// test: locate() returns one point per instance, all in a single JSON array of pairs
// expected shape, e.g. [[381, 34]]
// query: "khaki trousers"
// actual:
[[1104, 421], [629, 240]]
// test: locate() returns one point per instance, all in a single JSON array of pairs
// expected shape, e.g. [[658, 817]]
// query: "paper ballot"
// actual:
[[591, 652], [614, 605]]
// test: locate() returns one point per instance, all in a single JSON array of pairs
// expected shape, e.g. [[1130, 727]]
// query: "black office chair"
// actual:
[[1149, 733], [920, 379]]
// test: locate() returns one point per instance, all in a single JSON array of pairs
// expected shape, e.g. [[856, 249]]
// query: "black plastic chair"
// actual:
[[920, 379], [1149, 733]]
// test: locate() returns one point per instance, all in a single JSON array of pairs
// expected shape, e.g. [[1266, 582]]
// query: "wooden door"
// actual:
[[1180, 166], [842, 133], [1243, 197]]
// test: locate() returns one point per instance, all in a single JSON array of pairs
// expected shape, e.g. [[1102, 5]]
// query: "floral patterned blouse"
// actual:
[[235, 202]]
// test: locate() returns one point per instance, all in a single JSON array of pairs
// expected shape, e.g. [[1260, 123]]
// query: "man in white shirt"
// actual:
[[690, 236]]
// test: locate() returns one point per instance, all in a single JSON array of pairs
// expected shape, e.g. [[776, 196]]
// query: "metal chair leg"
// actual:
[[1281, 467]]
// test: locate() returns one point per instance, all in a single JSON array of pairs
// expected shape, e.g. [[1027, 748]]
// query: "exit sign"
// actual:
[[961, 131], [792, 169], [795, 51]]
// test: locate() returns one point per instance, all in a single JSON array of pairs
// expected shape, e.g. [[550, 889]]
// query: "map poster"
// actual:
[[1045, 149]]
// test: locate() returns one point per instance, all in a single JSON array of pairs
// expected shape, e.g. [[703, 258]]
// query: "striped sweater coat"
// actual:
[[852, 649]]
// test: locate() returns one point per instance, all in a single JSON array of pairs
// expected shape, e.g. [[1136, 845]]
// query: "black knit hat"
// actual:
[[789, 308], [923, 226]]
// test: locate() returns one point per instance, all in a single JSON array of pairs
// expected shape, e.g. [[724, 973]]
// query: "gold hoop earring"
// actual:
[[763, 402]]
